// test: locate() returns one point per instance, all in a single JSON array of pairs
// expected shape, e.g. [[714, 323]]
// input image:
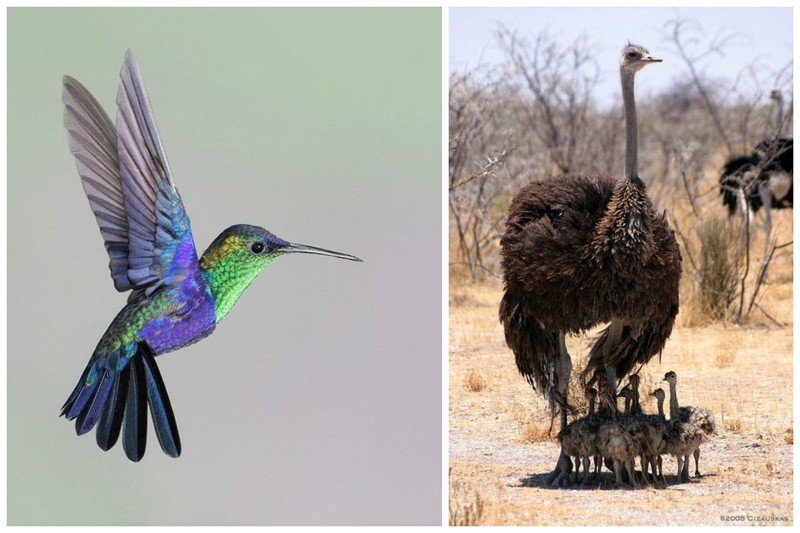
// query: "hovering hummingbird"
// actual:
[[175, 299]]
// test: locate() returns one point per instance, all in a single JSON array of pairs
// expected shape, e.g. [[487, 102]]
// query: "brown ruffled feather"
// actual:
[[580, 251]]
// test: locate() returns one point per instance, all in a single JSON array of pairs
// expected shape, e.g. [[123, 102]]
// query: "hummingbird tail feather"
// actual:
[[74, 395], [160, 407], [119, 397], [134, 436], [110, 424], [90, 414]]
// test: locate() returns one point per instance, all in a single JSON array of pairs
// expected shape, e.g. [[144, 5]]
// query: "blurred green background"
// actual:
[[318, 400]]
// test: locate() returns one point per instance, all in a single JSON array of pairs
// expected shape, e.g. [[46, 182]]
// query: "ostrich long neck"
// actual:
[[673, 401], [779, 116], [660, 406], [591, 406], [635, 406], [631, 139]]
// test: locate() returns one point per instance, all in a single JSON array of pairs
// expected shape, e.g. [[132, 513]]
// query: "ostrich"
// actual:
[[694, 425], [763, 177], [659, 396], [614, 439], [578, 440], [649, 431], [580, 251]]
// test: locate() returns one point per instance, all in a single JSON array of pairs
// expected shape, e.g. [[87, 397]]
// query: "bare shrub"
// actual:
[[719, 268]]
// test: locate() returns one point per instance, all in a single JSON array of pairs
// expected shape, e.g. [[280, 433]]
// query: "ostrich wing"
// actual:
[[536, 348]]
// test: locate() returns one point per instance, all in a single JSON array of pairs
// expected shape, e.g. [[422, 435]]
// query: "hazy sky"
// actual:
[[767, 32]]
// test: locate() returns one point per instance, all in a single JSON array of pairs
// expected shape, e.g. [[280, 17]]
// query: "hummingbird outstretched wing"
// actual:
[[127, 180], [93, 142]]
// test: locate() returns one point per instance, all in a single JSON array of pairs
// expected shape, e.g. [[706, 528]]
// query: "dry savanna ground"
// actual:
[[500, 451]]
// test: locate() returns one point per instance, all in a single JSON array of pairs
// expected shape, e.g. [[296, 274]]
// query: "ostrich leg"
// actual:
[[629, 467], [766, 199], [685, 473], [696, 464], [744, 207], [586, 469], [610, 344], [563, 369]]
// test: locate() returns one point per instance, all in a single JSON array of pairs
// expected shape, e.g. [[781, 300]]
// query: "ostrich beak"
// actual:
[[651, 59]]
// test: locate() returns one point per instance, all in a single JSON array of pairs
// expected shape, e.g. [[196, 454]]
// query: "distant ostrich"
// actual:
[[694, 425], [763, 177], [580, 251]]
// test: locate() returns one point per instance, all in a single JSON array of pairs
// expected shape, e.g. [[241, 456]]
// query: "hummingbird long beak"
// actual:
[[292, 248]]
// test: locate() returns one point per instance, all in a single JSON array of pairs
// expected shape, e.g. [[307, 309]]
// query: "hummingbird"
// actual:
[[176, 299]]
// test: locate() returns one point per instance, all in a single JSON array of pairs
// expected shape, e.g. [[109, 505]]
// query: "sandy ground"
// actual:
[[500, 453]]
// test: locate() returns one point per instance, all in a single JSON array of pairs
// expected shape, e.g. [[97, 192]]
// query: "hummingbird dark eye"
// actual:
[[257, 247]]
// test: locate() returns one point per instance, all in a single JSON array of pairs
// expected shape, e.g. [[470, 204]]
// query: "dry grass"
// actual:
[[535, 431], [466, 507], [474, 382], [500, 449], [734, 425], [723, 359]]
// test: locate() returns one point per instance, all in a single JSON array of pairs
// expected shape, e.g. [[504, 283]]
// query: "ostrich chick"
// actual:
[[614, 441], [694, 425]]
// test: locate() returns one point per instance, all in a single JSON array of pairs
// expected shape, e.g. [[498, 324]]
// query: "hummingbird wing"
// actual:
[[126, 178], [93, 142], [161, 250]]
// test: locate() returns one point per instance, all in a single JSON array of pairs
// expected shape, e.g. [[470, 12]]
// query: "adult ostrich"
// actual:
[[776, 157], [763, 177], [579, 251]]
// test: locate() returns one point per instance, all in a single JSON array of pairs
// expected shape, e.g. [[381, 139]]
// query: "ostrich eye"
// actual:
[[555, 214], [632, 55], [257, 247]]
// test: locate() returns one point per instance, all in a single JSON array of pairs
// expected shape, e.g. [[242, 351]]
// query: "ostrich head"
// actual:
[[658, 394], [625, 392], [775, 94], [671, 377], [633, 379], [635, 57]]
